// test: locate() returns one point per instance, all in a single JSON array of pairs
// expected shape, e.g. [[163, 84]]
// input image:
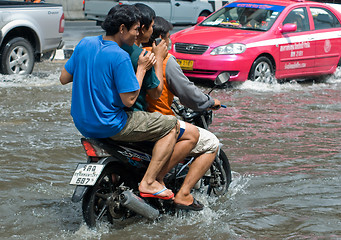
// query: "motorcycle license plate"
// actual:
[[185, 64], [86, 174]]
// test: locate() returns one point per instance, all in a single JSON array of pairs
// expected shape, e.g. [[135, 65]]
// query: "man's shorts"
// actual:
[[207, 143], [145, 126]]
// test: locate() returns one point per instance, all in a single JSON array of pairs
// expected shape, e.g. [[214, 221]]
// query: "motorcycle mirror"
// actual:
[[222, 78]]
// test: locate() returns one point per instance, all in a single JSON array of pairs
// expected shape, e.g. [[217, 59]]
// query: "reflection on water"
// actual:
[[283, 142]]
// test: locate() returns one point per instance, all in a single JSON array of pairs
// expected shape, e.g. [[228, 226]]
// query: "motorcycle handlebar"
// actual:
[[218, 106]]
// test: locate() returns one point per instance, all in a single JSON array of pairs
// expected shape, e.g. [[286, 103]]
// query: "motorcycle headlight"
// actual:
[[233, 48]]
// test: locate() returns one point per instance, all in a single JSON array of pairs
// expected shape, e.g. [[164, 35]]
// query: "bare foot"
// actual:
[[153, 188], [161, 182], [183, 199]]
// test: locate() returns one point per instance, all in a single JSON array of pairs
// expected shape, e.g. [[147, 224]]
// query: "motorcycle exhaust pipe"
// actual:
[[138, 205]]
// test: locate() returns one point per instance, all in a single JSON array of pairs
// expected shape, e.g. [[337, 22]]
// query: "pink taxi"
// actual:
[[262, 41]]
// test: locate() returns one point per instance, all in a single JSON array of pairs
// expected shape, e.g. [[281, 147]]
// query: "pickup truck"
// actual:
[[174, 11], [27, 31]]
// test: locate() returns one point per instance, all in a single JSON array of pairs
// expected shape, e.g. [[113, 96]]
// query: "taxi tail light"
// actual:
[[93, 150]]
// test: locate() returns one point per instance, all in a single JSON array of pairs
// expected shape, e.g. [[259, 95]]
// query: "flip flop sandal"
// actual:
[[156, 195]]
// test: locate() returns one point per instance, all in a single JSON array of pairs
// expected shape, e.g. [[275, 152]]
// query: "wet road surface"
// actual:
[[283, 142]]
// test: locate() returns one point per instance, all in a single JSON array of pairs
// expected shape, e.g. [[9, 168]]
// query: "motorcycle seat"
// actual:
[[108, 144]]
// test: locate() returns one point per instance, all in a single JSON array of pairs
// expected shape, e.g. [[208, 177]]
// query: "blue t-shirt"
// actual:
[[101, 70], [150, 79]]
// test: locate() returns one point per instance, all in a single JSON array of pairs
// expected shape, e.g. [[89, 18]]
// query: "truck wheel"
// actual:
[[262, 71], [17, 57]]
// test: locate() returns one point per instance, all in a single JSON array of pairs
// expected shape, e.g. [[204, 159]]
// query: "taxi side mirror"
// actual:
[[200, 19], [289, 27]]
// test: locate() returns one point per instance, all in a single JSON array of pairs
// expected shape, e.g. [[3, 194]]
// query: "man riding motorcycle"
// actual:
[[100, 96]]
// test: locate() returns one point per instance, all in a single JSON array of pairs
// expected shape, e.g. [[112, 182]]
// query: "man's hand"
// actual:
[[216, 105], [160, 50], [146, 61]]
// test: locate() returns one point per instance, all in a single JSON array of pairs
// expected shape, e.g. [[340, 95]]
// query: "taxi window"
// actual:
[[248, 16], [299, 17], [323, 18]]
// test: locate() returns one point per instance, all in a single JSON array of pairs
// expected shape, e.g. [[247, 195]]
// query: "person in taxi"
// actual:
[[105, 84], [177, 84], [297, 19]]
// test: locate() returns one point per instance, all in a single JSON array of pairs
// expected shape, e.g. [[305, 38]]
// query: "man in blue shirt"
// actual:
[[104, 83]]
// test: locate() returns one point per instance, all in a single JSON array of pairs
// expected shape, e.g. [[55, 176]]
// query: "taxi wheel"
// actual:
[[262, 70]]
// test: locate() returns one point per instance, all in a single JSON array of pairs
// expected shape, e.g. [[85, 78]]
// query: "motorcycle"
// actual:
[[107, 183]]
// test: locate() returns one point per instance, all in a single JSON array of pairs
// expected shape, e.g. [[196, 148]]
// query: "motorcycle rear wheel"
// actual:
[[221, 175], [101, 201]]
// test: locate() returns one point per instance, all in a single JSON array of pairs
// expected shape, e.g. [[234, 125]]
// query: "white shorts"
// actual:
[[207, 143]]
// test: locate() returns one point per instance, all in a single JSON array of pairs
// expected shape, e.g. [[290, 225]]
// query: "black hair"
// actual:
[[147, 14], [161, 28], [118, 15]]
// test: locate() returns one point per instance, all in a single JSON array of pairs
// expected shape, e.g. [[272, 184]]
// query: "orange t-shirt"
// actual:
[[163, 104]]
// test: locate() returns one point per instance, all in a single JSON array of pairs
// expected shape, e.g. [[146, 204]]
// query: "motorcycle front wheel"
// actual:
[[101, 201], [221, 175]]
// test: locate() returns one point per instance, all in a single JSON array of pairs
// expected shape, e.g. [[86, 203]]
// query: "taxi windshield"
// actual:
[[248, 16]]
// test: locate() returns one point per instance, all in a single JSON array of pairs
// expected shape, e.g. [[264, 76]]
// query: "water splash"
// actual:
[[32, 80], [179, 226], [42, 76], [293, 85]]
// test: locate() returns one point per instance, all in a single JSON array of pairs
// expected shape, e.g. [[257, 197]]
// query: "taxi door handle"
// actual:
[[311, 38], [177, 4]]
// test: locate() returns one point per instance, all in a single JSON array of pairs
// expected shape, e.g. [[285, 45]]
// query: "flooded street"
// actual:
[[283, 143]]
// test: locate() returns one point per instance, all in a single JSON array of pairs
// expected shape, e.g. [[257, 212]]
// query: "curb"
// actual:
[[62, 54]]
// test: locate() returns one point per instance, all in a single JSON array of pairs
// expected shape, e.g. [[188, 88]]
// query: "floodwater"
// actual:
[[283, 142]]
